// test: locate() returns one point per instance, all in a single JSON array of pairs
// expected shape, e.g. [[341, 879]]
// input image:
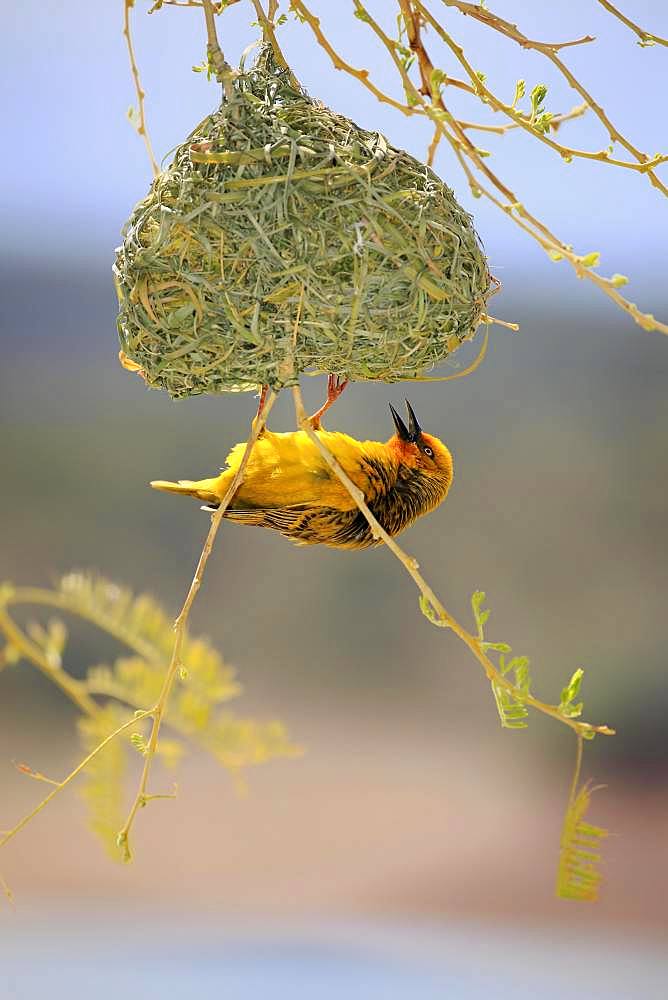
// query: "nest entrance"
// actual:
[[283, 238]]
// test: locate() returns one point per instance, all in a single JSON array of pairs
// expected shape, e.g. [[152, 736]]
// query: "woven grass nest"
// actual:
[[284, 239]]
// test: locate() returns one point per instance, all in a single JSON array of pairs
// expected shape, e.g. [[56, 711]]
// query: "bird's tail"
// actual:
[[204, 489]]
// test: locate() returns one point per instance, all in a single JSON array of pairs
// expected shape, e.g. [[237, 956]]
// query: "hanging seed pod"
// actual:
[[283, 238]]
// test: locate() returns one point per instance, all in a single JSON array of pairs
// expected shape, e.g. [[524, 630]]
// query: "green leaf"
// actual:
[[510, 705], [438, 77], [536, 97], [578, 876], [542, 122], [520, 90], [431, 613], [512, 712], [573, 687], [591, 259], [138, 741], [102, 788], [480, 615]]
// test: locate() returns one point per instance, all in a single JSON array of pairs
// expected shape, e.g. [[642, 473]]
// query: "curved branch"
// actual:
[[646, 37], [445, 619], [521, 121], [487, 17]]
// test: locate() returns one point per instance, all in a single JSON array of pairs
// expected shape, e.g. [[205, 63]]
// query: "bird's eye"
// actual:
[[428, 452]]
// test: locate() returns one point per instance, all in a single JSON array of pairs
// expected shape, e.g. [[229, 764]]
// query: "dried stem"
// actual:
[[217, 60], [411, 566], [521, 121], [646, 37], [141, 127], [180, 625], [454, 131], [551, 51], [359, 74], [464, 149]]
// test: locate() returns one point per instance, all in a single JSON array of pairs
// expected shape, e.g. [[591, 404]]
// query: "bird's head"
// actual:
[[417, 450]]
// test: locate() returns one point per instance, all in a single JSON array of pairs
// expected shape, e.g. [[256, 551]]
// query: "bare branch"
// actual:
[[180, 625], [550, 51], [141, 126], [646, 37]]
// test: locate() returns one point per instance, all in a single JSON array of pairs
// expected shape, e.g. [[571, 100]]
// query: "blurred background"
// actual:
[[411, 852]]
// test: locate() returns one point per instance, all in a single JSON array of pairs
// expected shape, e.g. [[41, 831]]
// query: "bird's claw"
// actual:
[[335, 386]]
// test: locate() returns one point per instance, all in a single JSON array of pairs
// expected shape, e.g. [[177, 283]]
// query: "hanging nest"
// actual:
[[283, 238]]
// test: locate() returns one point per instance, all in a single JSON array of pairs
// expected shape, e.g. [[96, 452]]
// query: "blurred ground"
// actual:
[[358, 960]]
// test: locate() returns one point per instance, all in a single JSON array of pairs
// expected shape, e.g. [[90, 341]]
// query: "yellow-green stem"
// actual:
[[180, 625], [412, 568]]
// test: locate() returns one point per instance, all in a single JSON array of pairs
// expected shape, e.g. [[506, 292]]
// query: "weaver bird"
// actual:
[[289, 486]]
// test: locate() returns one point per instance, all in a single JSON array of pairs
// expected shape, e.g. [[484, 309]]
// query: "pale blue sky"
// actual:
[[73, 166]]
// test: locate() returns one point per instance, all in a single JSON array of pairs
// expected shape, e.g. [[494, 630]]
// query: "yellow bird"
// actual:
[[289, 487]]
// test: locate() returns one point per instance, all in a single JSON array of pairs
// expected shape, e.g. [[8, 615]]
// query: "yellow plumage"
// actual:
[[289, 486]]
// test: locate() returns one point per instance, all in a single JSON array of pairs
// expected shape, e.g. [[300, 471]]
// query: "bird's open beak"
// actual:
[[413, 431]]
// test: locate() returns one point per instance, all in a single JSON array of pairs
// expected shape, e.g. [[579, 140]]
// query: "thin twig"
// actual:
[[555, 122], [359, 74], [412, 568], [266, 22], [215, 56], [158, 711], [463, 148], [646, 37], [217, 7], [513, 207], [551, 52], [521, 121], [9, 834], [141, 126]]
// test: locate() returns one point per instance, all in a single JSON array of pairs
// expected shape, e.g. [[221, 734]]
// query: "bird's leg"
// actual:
[[260, 406], [335, 386]]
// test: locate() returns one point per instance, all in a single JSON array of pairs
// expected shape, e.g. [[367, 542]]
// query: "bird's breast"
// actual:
[[396, 496]]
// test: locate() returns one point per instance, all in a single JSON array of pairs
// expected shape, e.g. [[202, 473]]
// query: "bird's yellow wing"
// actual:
[[288, 469]]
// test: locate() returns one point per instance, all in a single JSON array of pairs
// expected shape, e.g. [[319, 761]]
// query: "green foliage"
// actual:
[[567, 704], [510, 706], [133, 684], [431, 614], [540, 118], [141, 623], [578, 876], [520, 90], [591, 259], [51, 640], [104, 777], [510, 702], [193, 709]]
